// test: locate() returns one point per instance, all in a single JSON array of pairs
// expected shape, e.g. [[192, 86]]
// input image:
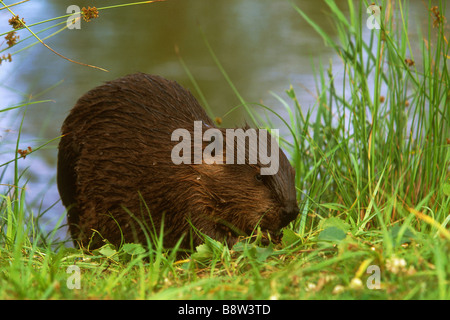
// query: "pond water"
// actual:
[[263, 45]]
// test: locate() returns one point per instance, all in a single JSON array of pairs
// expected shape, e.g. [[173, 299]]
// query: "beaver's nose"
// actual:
[[288, 213]]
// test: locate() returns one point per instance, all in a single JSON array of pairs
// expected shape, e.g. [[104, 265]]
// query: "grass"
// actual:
[[372, 160]]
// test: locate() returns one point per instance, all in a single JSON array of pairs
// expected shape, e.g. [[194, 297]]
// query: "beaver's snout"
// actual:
[[289, 213]]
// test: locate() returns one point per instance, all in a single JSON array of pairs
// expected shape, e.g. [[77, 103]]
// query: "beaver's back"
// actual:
[[115, 140], [117, 179]]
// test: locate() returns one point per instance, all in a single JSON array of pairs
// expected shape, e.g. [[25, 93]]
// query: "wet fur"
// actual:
[[115, 153]]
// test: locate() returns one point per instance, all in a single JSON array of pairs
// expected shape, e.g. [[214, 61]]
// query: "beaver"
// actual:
[[119, 183]]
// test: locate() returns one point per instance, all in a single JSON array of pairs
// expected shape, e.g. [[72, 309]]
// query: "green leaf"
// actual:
[[239, 247], [289, 237], [133, 248], [446, 189], [261, 254], [398, 238], [107, 250], [332, 234], [203, 253], [253, 251], [207, 250], [335, 222]]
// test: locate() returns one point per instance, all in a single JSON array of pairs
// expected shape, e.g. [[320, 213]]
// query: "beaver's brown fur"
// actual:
[[118, 182]]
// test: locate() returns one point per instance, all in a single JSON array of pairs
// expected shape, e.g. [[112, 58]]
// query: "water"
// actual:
[[263, 45]]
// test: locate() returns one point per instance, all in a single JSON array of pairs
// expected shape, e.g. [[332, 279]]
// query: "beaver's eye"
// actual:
[[258, 177]]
